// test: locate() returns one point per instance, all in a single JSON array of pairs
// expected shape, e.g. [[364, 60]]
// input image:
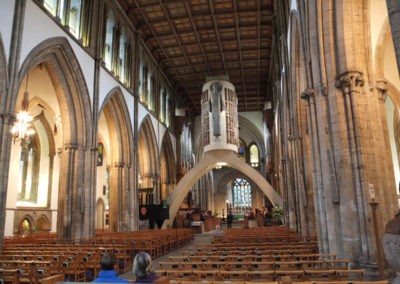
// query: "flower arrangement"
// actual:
[[277, 212]]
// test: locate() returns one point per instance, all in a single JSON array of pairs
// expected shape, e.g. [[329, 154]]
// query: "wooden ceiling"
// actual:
[[194, 39]]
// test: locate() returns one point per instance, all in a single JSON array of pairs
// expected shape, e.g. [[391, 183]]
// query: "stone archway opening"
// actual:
[[211, 160], [114, 165]]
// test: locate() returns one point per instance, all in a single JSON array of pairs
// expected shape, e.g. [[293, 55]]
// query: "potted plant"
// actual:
[[277, 214]]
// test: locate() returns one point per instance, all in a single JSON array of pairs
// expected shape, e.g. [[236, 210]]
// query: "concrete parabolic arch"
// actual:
[[209, 161]]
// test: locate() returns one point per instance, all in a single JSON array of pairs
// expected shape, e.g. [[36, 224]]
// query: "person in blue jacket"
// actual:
[[107, 273]]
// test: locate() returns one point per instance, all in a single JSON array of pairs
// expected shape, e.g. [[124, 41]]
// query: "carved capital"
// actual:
[[119, 165], [94, 149], [324, 91], [350, 82], [8, 117], [70, 146], [381, 86], [307, 94]]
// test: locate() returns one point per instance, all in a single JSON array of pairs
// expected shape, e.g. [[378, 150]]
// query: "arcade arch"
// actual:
[[148, 163], [65, 118], [115, 162], [167, 167]]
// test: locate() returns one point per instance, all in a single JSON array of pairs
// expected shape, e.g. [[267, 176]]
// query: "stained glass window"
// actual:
[[241, 193]]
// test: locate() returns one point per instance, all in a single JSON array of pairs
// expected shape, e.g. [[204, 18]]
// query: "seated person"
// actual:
[[142, 268], [107, 273]]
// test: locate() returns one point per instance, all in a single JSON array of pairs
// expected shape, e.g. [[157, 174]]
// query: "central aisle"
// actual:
[[198, 239]]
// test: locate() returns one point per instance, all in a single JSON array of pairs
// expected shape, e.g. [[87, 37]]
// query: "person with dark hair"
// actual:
[[142, 268], [108, 273]]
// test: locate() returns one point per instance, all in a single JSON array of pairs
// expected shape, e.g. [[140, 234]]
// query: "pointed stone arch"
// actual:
[[78, 154], [226, 183], [121, 161], [209, 162], [28, 218], [384, 36], [42, 224], [167, 167], [148, 158], [254, 133]]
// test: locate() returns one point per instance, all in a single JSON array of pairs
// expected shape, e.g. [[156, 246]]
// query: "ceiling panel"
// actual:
[[194, 39]]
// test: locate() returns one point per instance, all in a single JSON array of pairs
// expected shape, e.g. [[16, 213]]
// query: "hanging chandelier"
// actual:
[[23, 128]]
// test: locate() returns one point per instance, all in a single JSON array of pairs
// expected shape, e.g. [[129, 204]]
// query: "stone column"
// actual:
[[384, 195], [6, 106], [6, 121], [66, 192], [393, 7], [351, 84], [156, 189], [319, 199], [134, 222], [116, 197]]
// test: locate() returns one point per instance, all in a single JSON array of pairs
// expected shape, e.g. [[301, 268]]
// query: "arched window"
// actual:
[[254, 156], [29, 170], [163, 94], [152, 93], [51, 6], [241, 193], [144, 84], [122, 55], [109, 37], [186, 147], [167, 110], [32, 166], [75, 12], [68, 12]]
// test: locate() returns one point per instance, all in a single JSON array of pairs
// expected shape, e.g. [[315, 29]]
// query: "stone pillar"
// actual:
[[66, 192], [89, 223], [124, 206], [116, 197], [7, 117], [156, 189], [6, 121], [357, 245], [385, 164], [135, 194], [393, 7], [319, 199]]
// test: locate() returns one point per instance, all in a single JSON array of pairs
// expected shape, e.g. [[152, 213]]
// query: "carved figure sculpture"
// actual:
[[216, 106]]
